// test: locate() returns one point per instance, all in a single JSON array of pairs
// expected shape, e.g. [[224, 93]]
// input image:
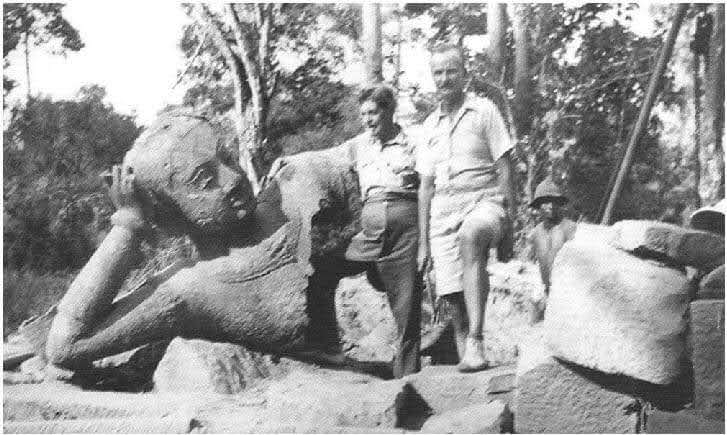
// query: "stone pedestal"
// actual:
[[616, 313], [557, 397], [706, 343], [678, 245]]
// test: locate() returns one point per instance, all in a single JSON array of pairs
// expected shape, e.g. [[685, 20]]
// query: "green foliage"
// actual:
[[55, 204], [28, 293], [297, 32], [321, 115]]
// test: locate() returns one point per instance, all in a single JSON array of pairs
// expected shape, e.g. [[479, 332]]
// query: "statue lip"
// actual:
[[237, 200]]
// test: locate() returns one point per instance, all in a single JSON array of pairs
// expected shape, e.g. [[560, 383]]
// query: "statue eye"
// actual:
[[204, 177]]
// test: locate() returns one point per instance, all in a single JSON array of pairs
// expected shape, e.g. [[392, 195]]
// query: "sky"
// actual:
[[131, 49]]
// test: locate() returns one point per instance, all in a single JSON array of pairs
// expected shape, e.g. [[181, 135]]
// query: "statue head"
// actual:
[[183, 181]]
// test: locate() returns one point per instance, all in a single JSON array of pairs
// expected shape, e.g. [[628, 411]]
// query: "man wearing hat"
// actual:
[[710, 218], [548, 237]]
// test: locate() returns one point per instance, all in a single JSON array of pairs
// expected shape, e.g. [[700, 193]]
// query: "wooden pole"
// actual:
[[649, 99]]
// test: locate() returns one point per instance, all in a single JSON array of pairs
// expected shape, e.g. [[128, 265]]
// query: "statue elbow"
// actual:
[[61, 337]]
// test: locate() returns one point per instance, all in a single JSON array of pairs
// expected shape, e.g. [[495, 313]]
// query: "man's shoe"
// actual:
[[474, 356]]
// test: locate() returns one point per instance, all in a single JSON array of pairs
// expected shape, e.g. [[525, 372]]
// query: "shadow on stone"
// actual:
[[411, 409], [672, 397], [133, 375]]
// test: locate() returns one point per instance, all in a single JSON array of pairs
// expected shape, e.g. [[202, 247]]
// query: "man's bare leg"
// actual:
[[478, 233], [460, 320]]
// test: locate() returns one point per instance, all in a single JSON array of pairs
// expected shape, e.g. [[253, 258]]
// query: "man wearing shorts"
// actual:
[[465, 191]]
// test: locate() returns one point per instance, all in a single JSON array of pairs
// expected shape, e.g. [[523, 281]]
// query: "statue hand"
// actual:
[[122, 190]]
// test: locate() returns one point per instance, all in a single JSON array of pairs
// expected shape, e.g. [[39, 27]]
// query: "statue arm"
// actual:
[[92, 292], [90, 295]]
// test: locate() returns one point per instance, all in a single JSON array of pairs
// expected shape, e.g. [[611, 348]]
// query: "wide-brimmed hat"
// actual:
[[710, 218], [548, 191]]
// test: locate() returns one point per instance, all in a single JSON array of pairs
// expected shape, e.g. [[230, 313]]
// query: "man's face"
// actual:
[[549, 210], [448, 74], [375, 119]]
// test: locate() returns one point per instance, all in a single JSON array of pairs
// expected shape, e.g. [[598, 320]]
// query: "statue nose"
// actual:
[[229, 179]]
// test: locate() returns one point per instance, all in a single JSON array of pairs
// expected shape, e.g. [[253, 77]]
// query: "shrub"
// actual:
[[29, 293]]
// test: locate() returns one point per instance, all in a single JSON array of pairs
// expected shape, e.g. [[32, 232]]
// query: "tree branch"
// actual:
[[253, 72], [204, 15], [191, 60], [266, 18]]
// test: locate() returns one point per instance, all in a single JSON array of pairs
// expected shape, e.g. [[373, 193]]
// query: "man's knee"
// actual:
[[479, 231]]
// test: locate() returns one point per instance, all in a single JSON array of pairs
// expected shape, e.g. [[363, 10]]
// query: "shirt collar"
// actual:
[[467, 104], [399, 139]]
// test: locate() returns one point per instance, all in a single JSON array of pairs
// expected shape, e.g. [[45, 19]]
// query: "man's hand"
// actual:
[[122, 190], [423, 259]]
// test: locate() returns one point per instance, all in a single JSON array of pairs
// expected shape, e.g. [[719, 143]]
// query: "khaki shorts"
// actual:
[[449, 215]]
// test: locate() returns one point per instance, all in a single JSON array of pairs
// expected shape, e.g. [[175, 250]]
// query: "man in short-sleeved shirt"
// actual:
[[388, 241], [465, 169]]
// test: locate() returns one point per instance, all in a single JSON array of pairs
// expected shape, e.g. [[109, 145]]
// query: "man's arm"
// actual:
[[426, 191], [505, 171]]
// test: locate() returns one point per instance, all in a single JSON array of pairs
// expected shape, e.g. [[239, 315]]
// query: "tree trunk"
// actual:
[[496, 27], [399, 39], [715, 101], [371, 40], [697, 131], [645, 112], [27, 67], [523, 95]]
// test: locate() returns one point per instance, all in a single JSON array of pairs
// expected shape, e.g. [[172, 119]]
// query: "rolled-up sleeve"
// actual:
[[497, 134], [424, 158]]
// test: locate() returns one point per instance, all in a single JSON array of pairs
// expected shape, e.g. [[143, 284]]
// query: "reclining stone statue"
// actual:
[[269, 265]]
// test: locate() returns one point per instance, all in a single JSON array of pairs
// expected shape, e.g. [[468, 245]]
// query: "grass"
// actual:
[[27, 293]]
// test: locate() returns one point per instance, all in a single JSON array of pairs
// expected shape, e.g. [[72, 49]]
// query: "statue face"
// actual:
[[176, 163]]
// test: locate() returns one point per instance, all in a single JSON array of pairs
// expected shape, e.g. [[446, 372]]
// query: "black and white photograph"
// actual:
[[363, 217]]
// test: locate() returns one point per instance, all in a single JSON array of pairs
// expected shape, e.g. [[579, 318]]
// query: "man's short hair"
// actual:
[[382, 95], [445, 48]]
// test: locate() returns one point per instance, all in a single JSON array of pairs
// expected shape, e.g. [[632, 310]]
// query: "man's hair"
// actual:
[[382, 95], [445, 48]]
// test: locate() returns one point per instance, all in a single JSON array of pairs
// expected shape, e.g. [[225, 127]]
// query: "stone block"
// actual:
[[443, 388], [326, 399], [616, 313], [706, 344], [683, 421], [683, 246], [493, 417], [553, 396], [204, 366], [712, 285]]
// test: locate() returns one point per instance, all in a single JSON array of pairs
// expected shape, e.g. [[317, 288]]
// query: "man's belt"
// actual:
[[383, 195]]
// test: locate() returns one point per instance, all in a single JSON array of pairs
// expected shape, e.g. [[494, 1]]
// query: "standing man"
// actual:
[[464, 199], [384, 159]]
